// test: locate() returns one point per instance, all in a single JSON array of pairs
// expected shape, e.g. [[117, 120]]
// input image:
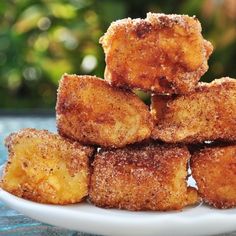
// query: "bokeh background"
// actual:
[[40, 40]]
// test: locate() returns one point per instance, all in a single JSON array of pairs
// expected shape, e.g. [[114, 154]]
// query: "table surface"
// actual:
[[14, 223]]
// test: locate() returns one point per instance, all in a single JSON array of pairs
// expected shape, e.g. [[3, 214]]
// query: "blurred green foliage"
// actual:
[[41, 40]]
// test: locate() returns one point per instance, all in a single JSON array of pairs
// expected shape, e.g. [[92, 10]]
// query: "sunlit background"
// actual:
[[40, 40]]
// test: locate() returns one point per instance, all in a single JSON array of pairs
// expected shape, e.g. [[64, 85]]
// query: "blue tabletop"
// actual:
[[12, 222]]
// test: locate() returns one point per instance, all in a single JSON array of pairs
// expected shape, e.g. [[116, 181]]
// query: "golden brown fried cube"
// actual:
[[46, 168], [162, 53], [214, 169], [142, 177], [207, 114], [91, 111]]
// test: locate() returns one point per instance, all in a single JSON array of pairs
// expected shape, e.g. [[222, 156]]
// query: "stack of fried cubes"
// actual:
[[123, 153]]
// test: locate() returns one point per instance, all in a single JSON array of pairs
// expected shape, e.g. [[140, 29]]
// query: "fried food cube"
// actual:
[[214, 169], [142, 177], [207, 114], [91, 111], [162, 53], [44, 167]]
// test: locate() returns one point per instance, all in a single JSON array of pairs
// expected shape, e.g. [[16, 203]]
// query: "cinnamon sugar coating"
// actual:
[[46, 168], [142, 177], [161, 53], [214, 169], [91, 111], [207, 114]]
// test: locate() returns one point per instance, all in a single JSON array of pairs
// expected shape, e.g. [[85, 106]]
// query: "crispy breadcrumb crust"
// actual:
[[207, 114], [91, 111], [214, 169], [46, 168], [161, 53], [142, 177]]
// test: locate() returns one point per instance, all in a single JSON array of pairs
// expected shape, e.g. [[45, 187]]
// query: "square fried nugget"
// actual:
[[44, 167], [162, 53], [214, 169], [207, 114], [91, 111], [142, 177]]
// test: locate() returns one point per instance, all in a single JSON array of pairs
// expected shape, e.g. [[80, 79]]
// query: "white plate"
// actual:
[[198, 220]]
